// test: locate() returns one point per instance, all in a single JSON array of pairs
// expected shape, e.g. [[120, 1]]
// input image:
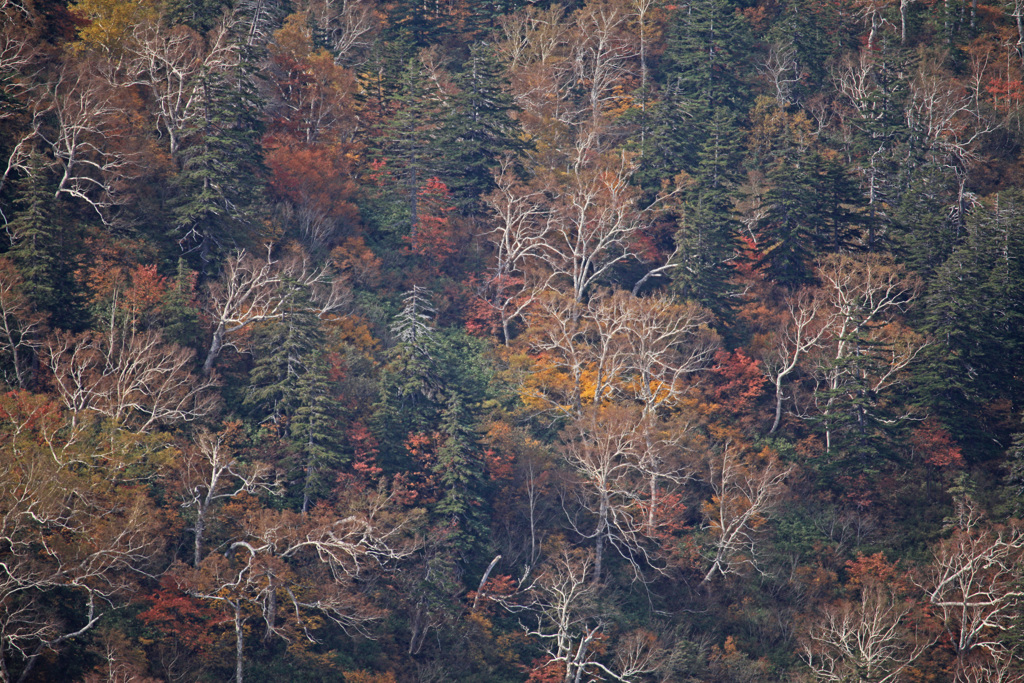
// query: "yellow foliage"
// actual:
[[111, 21], [363, 676]]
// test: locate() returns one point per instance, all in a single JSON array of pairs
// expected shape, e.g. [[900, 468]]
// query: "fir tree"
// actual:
[[220, 185], [43, 248], [282, 348], [707, 234], [314, 429], [478, 130], [460, 472]]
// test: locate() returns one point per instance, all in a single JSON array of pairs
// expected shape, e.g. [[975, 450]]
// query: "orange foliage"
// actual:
[[932, 442], [362, 676], [354, 259], [433, 237], [315, 176]]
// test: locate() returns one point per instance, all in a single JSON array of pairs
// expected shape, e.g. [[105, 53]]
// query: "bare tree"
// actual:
[[867, 640], [65, 525], [131, 377], [521, 217], [806, 326], [249, 291], [285, 567], [602, 447], [745, 493], [170, 62], [593, 224], [974, 583], [348, 24], [88, 141], [21, 328], [210, 475], [782, 71], [868, 348]]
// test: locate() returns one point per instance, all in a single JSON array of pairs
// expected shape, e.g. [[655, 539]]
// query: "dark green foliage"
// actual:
[[180, 317], [459, 468], [708, 228], [975, 312], [201, 15], [44, 244], [477, 130], [408, 147], [315, 430], [221, 182]]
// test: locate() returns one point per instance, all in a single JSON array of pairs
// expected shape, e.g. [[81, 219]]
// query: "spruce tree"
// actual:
[[707, 235], [314, 429], [459, 468]]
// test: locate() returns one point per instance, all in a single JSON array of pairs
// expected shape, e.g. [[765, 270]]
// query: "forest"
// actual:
[[510, 341]]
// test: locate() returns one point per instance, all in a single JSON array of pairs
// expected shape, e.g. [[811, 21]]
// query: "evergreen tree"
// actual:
[[408, 148], [220, 185], [314, 429], [459, 468], [708, 228], [975, 312], [43, 248], [477, 130], [180, 313], [282, 348], [788, 225]]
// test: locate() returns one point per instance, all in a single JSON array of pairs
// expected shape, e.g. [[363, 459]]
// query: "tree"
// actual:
[[76, 527], [222, 172], [868, 349], [746, 490], [130, 377], [973, 582], [603, 446], [477, 132], [310, 563], [21, 328], [210, 475], [868, 639], [249, 291]]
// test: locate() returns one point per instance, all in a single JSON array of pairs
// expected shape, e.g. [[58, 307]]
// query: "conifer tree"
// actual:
[[707, 235], [282, 348], [222, 175], [477, 130], [460, 472], [314, 429], [43, 249], [408, 145]]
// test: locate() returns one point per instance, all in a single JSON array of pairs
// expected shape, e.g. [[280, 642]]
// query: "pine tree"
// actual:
[[788, 225], [975, 311], [180, 313]]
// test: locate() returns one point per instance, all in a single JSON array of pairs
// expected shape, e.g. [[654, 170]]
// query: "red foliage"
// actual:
[[364, 447], [546, 672], [433, 237], [932, 442], [315, 176], [736, 382], [180, 616]]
